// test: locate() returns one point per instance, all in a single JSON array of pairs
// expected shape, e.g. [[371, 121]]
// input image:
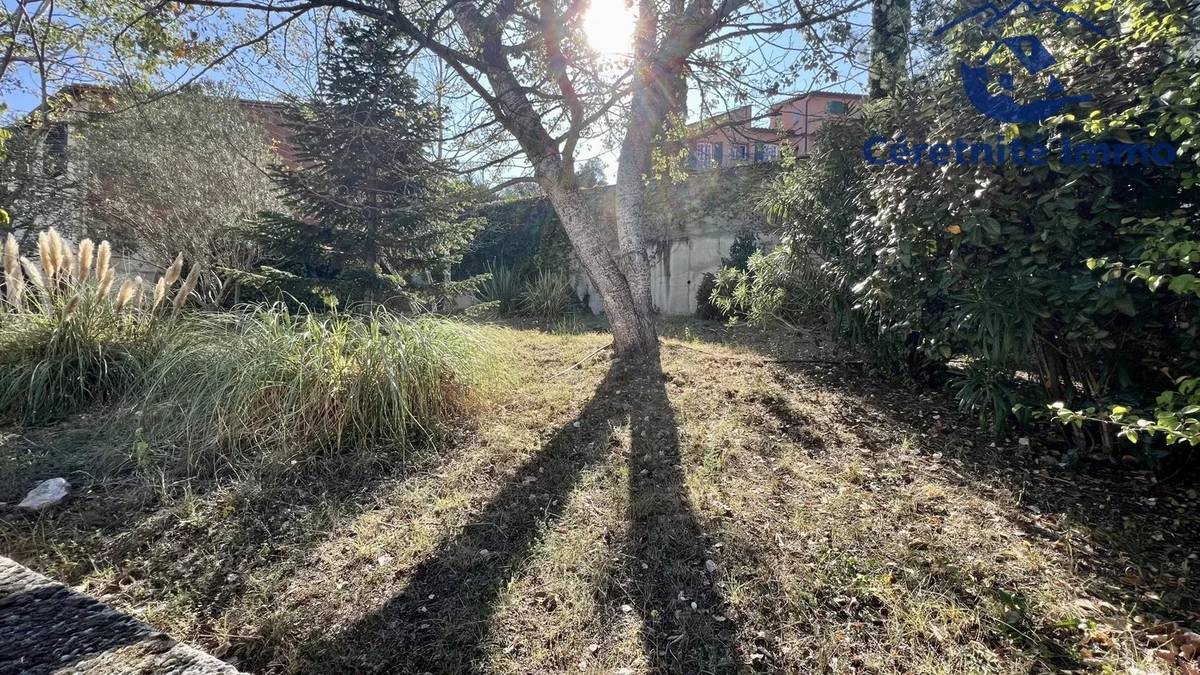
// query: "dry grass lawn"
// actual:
[[760, 508]]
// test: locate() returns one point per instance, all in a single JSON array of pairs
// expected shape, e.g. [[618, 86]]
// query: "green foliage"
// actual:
[[590, 174], [521, 234], [774, 288], [501, 287], [1084, 276], [990, 393], [525, 250], [706, 307], [271, 383], [734, 272], [85, 40], [744, 245], [1175, 419], [275, 386], [371, 216], [548, 295], [70, 334]]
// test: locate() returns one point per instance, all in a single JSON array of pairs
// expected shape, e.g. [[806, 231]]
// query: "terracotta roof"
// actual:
[[797, 97]]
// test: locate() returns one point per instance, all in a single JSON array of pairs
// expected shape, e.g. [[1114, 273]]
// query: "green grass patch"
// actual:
[[271, 385]]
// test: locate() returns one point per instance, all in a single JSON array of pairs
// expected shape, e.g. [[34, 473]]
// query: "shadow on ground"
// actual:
[[1128, 536], [202, 545], [440, 622]]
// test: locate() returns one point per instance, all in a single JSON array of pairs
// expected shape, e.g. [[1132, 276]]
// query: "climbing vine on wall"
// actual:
[[521, 234]]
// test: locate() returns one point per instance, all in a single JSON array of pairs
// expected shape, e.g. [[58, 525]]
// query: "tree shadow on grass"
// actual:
[[1120, 539], [1126, 536], [442, 619], [201, 542], [669, 579], [1094, 493]]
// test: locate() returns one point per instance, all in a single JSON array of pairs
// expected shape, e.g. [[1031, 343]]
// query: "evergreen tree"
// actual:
[[372, 216]]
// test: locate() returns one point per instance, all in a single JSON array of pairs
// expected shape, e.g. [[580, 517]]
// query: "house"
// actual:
[[45, 153], [49, 178], [73, 104], [735, 137]]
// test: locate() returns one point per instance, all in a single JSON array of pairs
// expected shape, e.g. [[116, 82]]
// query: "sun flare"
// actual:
[[609, 25]]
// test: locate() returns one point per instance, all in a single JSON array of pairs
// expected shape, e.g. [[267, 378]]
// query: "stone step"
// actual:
[[46, 627]]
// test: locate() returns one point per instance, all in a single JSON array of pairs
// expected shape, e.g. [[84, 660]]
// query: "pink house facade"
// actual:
[[736, 138]]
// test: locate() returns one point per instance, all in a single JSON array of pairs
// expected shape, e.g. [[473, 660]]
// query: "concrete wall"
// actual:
[[693, 225]]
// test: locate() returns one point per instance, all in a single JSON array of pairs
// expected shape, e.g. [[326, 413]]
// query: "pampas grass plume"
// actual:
[[174, 270], [83, 266]]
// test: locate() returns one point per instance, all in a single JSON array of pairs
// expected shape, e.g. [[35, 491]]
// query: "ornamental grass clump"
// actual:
[[272, 387], [71, 332], [548, 295], [501, 288]]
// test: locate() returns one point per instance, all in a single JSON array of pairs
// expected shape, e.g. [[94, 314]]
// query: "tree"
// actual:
[[45, 45], [48, 46], [183, 174], [890, 22], [35, 189], [529, 65], [370, 213], [591, 173]]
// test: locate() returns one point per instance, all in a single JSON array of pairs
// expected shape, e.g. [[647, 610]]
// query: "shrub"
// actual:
[[547, 295], [705, 307], [744, 245], [274, 385], [1086, 277], [501, 287], [69, 333], [710, 302], [774, 288]]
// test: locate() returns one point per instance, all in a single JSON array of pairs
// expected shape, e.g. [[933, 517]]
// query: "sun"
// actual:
[[609, 25]]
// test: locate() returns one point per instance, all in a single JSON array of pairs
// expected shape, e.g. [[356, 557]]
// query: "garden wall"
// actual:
[[693, 223]]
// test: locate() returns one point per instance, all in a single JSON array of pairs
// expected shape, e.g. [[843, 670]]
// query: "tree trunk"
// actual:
[[624, 282], [890, 21], [631, 234], [658, 90], [633, 331]]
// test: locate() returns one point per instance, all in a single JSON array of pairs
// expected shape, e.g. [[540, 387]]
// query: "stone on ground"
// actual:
[[47, 493]]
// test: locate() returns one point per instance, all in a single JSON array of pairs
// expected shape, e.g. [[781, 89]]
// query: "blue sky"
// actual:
[[254, 79]]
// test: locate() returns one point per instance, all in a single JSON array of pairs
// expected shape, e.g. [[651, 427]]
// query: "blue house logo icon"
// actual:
[[1029, 52]]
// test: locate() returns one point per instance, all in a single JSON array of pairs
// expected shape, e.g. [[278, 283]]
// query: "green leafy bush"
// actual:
[[706, 307], [271, 386], [775, 288], [711, 301], [1083, 276]]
